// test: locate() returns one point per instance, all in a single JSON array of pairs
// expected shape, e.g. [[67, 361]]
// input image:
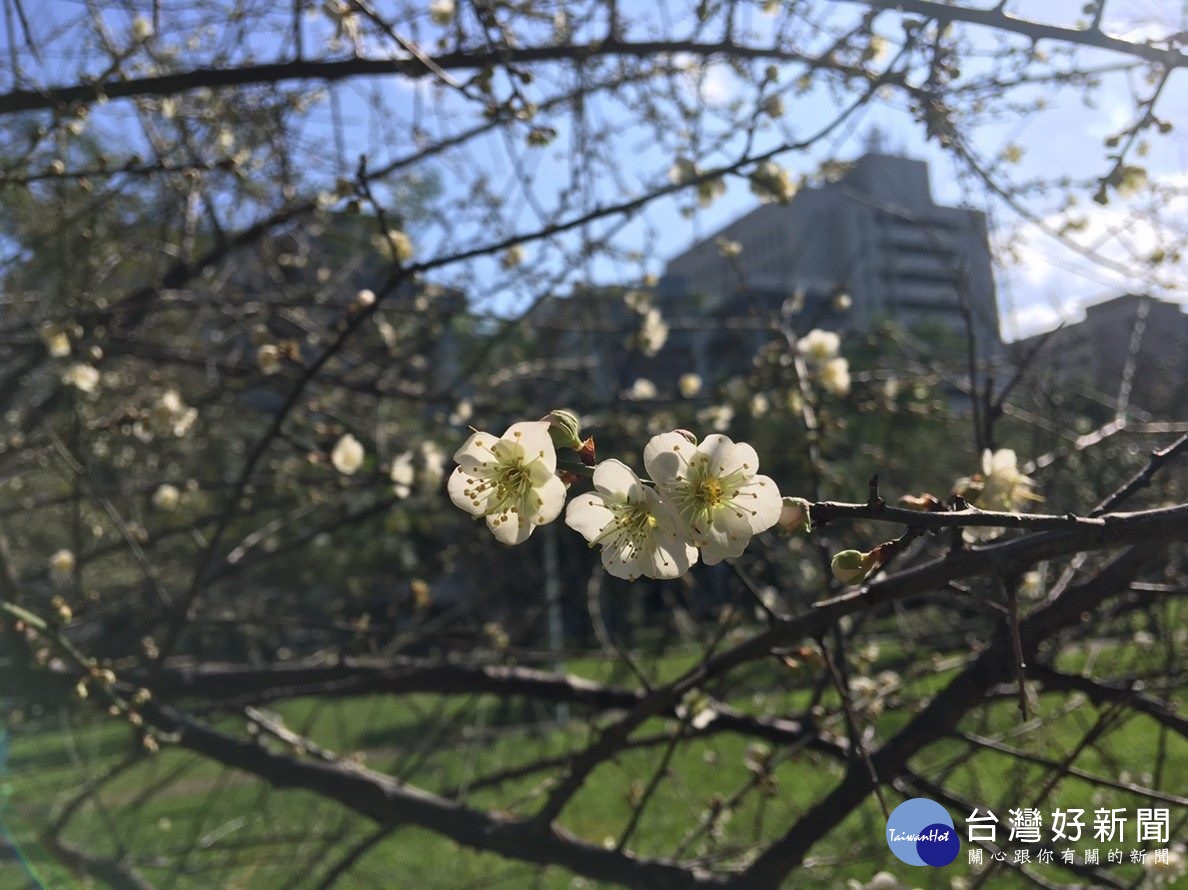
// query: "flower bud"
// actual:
[[564, 429], [587, 453], [851, 566], [795, 517]]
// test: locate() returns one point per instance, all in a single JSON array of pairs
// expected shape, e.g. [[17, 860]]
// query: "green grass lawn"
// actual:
[[194, 825]]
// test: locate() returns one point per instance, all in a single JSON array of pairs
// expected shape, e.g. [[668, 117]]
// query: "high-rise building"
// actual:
[[1129, 352], [875, 234]]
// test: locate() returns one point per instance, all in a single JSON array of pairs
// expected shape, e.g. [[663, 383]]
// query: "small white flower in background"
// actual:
[[682, 171], [717, 417], [512, 257], [759, 405], [642, 389], [57, 343], [835, 376], [728, 248], [818, 345], [511, 481], [433, 460], [637, 300], [714, 491], [652, 333], [365, 298], [1032, 585], [166, 498], [689, 385], [696, 708], [441, 11], [638, 533], [268, 358], [462, 412], [400, 245], [142, 29], [1167, 870], [771, 182], [82, 377], [842, 302], [883, 880], [1144, 639], [171, 416], [403, 474], [1003, 486], [347, 455], [61, 566]]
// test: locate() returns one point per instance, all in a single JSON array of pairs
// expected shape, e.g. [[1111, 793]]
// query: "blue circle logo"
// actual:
[[921, 832]]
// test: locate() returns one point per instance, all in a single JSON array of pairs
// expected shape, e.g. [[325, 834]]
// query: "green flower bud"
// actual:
[[795, 517], [851, 566], [565, 429]]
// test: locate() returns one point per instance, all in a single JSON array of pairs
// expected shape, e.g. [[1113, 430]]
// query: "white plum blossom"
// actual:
[[689, 385], [1003, 486], [433, 458], [642, 389], [166, 498], [881, 881], [82, 377], [403, 474], [462, 412], [441, 11], [61, 566], [511, 481], [347, 455], [57, 342], [1000, 487], [268, 358], [653, 332], [835, 376], [818, 345], [638, 533], [771, 182], [759, 404], [714, 491], [1167, 870], [717, 417], [171, 416]]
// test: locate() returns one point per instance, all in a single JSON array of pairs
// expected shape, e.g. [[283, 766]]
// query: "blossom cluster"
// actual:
[[701, 500]]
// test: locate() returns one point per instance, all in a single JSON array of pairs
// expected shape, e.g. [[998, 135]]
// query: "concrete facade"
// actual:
[[1129, 352], [875, 234]]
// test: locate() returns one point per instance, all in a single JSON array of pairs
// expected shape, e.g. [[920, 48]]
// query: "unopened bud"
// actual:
[[851, 566], [795, 517], [564, 429]]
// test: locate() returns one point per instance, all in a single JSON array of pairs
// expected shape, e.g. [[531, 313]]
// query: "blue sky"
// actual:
[[1040, 281]]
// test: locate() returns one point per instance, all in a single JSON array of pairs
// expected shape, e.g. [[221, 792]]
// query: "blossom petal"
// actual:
[[760, 501], [552, 499], [475, 451], [511, 528], [462, 482], [670, 556], [727, 457], [666, 456], [616, 479], [727, 537], [533, 437], [588, 516], [619, 559]]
